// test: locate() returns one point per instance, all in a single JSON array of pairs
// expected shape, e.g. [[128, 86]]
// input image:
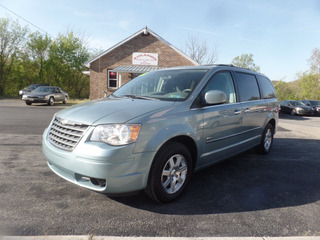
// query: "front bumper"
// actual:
[[93, 163], [304, 112], [34, 100], [317, 111]]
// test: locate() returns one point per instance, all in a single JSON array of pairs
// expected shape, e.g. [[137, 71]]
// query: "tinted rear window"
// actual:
[[266, 87], [248, 87]]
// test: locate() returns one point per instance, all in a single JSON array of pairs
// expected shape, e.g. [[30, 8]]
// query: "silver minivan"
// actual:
[[156, 130]]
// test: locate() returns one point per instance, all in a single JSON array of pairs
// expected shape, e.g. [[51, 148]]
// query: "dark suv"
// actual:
[[31, 88]]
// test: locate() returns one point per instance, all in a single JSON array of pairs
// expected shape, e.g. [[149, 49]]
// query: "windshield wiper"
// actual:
[[138, 97]]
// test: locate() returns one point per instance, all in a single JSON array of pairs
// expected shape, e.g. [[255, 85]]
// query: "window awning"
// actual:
[[135, 69]]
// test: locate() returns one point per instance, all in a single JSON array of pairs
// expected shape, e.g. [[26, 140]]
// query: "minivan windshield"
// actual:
[[169, 85]]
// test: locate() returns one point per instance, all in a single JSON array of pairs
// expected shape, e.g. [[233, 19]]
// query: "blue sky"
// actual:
[[280, 34]]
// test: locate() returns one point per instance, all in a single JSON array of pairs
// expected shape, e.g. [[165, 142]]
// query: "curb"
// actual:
[[92, 237]]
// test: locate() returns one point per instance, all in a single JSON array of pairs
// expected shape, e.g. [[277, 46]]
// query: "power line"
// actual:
[[26, 20]]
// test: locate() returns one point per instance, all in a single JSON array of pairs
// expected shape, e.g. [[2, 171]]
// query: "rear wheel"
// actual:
[[28, 103], [170, 173], [267, 139], [51, 101]]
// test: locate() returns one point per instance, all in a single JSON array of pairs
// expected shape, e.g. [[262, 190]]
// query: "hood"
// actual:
[[26, 90], [119, 110]]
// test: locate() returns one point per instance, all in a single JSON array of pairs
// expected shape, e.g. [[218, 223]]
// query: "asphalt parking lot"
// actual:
[[248, 195]]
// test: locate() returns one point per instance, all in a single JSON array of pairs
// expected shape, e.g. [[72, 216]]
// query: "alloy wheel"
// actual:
[[174, 174]]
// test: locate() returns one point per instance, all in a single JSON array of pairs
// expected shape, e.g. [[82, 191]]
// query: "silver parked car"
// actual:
[[159, 128], [46, 94]]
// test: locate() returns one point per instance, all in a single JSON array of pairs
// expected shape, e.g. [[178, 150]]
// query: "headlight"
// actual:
[[299, 108], [116, 134]]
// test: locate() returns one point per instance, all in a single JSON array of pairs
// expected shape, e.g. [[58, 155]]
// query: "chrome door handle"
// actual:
[[237, 112], [247, 110]]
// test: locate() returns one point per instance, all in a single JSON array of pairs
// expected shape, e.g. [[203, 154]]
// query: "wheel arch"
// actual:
[[188, 142], [273, 123]]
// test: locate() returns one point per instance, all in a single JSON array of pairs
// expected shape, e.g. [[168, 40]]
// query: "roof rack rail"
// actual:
[[220, 65], [227, 65]]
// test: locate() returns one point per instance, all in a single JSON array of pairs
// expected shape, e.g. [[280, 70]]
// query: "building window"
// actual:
[[112, 79]]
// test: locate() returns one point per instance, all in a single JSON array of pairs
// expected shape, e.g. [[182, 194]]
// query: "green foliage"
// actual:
[[12, 39], [307, 87], [36, 58], [285, 91], [245, 61]]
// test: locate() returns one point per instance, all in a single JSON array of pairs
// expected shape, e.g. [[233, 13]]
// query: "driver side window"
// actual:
[[222, 81]]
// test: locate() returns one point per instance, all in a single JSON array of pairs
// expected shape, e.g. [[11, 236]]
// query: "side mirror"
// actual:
[[214, 97]]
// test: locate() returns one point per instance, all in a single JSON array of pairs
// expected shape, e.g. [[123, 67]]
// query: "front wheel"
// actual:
[[51, 101], [293, 112], [170, 173], [267, 139], [65, 100]]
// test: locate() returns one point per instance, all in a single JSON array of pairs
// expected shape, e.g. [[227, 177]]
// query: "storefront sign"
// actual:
[[145, 59]]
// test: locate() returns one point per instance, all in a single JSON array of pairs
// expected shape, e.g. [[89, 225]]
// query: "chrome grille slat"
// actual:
[[63, 139], [79, 128], [64, 131], [66, 135]]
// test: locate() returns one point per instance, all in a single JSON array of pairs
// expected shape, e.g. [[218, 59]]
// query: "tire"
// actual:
[[293, 112], [267, 139], [28, 103], [65, 100], [170, 173], [51, 101]]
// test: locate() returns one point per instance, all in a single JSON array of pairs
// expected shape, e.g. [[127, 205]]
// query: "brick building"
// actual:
[[142, 52]]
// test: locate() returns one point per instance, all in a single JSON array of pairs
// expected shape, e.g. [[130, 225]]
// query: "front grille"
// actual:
[[66, 135]]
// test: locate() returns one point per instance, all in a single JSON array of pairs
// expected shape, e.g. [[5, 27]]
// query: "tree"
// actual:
[[38, 46], [67, 55], [314, 61], [285, 91], [309, 86], [199, 51], [12, 38], [245, 61]]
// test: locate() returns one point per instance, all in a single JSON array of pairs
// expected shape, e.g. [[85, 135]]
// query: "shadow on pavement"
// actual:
[[288, 176]]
